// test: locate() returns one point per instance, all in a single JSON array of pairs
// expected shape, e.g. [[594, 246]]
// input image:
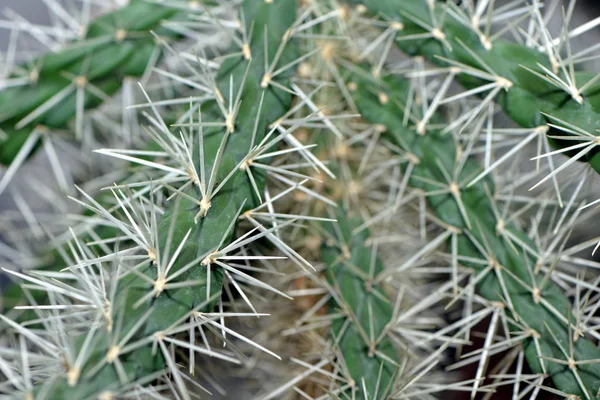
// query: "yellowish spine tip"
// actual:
[[120, 35], [486, 42], [328, 51], [498, 304], [397, 26], [344, 13], [421, 130], [34, 75], [276, 123], [159, 286], [438, 34], [577, 334], [555, 64], [534, 334], [304, 70], [246, 164], [230, 123], [108, 316], [412, 158], [383, 98], [454, 188], [112, 354], [500, 226], [313, 243], [43, 129], [152, 254], [504, 83], [346, 252], [537, 295], [354, 188], [342, 151], [106, 396], [380, 128], [81, 81], [205, 205], [73, 376], [246, 51], [266, 80], [208, 260], [371, 352]]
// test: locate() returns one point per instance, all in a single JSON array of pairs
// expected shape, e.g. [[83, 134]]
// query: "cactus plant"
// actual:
[[81, 76], [155, 262], [505, 262], [185, 248], [531, 80], [502, 257]]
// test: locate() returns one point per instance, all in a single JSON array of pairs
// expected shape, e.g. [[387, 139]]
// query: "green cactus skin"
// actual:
[[366, 303], [514, 266], [116, 46], [170, 306], [528, 99]]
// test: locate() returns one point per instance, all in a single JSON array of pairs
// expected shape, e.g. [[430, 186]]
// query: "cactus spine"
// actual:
[[532, 83], [80, 77], [502, 258], [506, 266], [352, 269], [180, 275], [156, 256]]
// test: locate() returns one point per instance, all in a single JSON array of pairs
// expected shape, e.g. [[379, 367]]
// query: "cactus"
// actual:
[[501, 256], [538, 90], [352, 268], [532, 83], [505, 263], [41, 97], [40, 100], [82, 75], [154, 263], [184, 249]]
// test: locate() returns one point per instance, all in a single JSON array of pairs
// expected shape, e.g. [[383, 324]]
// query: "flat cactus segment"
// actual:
[[536, 306]]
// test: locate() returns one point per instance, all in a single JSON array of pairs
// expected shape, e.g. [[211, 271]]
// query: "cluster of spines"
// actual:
[[484, 243], [468, 243], [505, 262], [360, 349], [535, 79], [179, 254], [63, 99], [81, 76], [366, 349]]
